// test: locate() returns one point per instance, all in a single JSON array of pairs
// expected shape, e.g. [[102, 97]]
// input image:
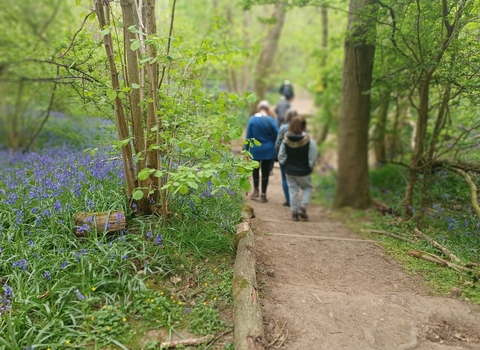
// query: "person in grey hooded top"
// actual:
[[298, 153]]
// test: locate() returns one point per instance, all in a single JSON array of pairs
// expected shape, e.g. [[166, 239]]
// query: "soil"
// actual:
[[339, 291]]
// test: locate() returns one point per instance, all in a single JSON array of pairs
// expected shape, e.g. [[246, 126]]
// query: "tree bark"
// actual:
[[352, 183], [120, 120], [249, 333], [267, 55], [379, 144]]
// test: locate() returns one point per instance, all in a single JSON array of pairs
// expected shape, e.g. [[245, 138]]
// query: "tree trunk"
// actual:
[[120, 120], [128, 13], [267, 55], [326, 105], [379, 146], [352, 184], [153, 120]]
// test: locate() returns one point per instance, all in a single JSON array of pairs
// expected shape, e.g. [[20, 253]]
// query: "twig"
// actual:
[[389, 234], [437, 245], [323, 237], [185, 342], [473, 190], [436, 259], [216, 338], [283, 341], [278, 336], [75, 35]]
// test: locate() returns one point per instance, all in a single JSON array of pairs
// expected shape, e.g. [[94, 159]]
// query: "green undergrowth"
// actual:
[[448, 219], [154, 281]]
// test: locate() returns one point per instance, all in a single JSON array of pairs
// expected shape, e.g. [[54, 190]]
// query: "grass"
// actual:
[[449, 220], [108, 290]]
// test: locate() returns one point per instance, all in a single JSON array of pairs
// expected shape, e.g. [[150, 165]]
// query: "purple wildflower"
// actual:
[[79, 295], [47, 275], [158, 240]]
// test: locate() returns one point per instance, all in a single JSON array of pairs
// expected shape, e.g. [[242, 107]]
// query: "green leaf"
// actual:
[[207, 144], [111, 94], [251, 98], [245, 185], [104, 32], [193, 184], [135, 45], [170, 58], [196, 199], [183, 189], [144, 174], [137, 194], [257, 143], [200, 153]]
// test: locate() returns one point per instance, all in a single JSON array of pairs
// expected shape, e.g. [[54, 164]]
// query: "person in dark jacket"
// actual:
[[281, 109], [286, 90], [298, 152], [263, 128], [281, 134]]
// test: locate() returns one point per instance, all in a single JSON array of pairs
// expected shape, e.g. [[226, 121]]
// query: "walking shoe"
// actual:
[[295, 217], [303, 213], [286, 204], [255, 193], [263, 198]]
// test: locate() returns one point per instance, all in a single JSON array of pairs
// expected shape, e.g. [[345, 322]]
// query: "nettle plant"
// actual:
[[172, 135]]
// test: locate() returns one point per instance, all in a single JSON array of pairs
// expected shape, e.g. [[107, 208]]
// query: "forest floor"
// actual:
[[322, 286]]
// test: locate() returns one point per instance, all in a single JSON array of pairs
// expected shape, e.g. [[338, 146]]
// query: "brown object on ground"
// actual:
[[186, 342], [101, 222], [249, 334], [329, 294], [437, 245]]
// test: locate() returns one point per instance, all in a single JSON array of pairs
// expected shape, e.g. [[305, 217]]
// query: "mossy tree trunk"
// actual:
[[353, 184]]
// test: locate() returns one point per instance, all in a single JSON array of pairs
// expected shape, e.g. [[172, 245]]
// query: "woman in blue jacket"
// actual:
[[263, 128]]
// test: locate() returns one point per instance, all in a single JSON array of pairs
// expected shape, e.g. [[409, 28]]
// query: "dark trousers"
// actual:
[[265, 167]]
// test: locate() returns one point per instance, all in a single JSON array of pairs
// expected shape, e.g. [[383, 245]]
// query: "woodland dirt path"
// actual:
[[345, 294], [341, 293]]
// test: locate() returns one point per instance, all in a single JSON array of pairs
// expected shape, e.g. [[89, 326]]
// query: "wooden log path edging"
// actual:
[[248, 321]]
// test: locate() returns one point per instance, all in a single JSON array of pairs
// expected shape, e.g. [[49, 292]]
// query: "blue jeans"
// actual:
[[295, 183], [285, 184]]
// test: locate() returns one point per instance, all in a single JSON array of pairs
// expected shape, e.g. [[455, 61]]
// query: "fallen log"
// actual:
[[248, 325], [101, 222]]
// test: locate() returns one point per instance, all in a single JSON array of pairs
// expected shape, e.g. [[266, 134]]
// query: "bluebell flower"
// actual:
[[22, 264], [149, 234], [79, 295], [8, 291], [124, 257], [158, 240], [65, 264], [57, 206], [47, 275]]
